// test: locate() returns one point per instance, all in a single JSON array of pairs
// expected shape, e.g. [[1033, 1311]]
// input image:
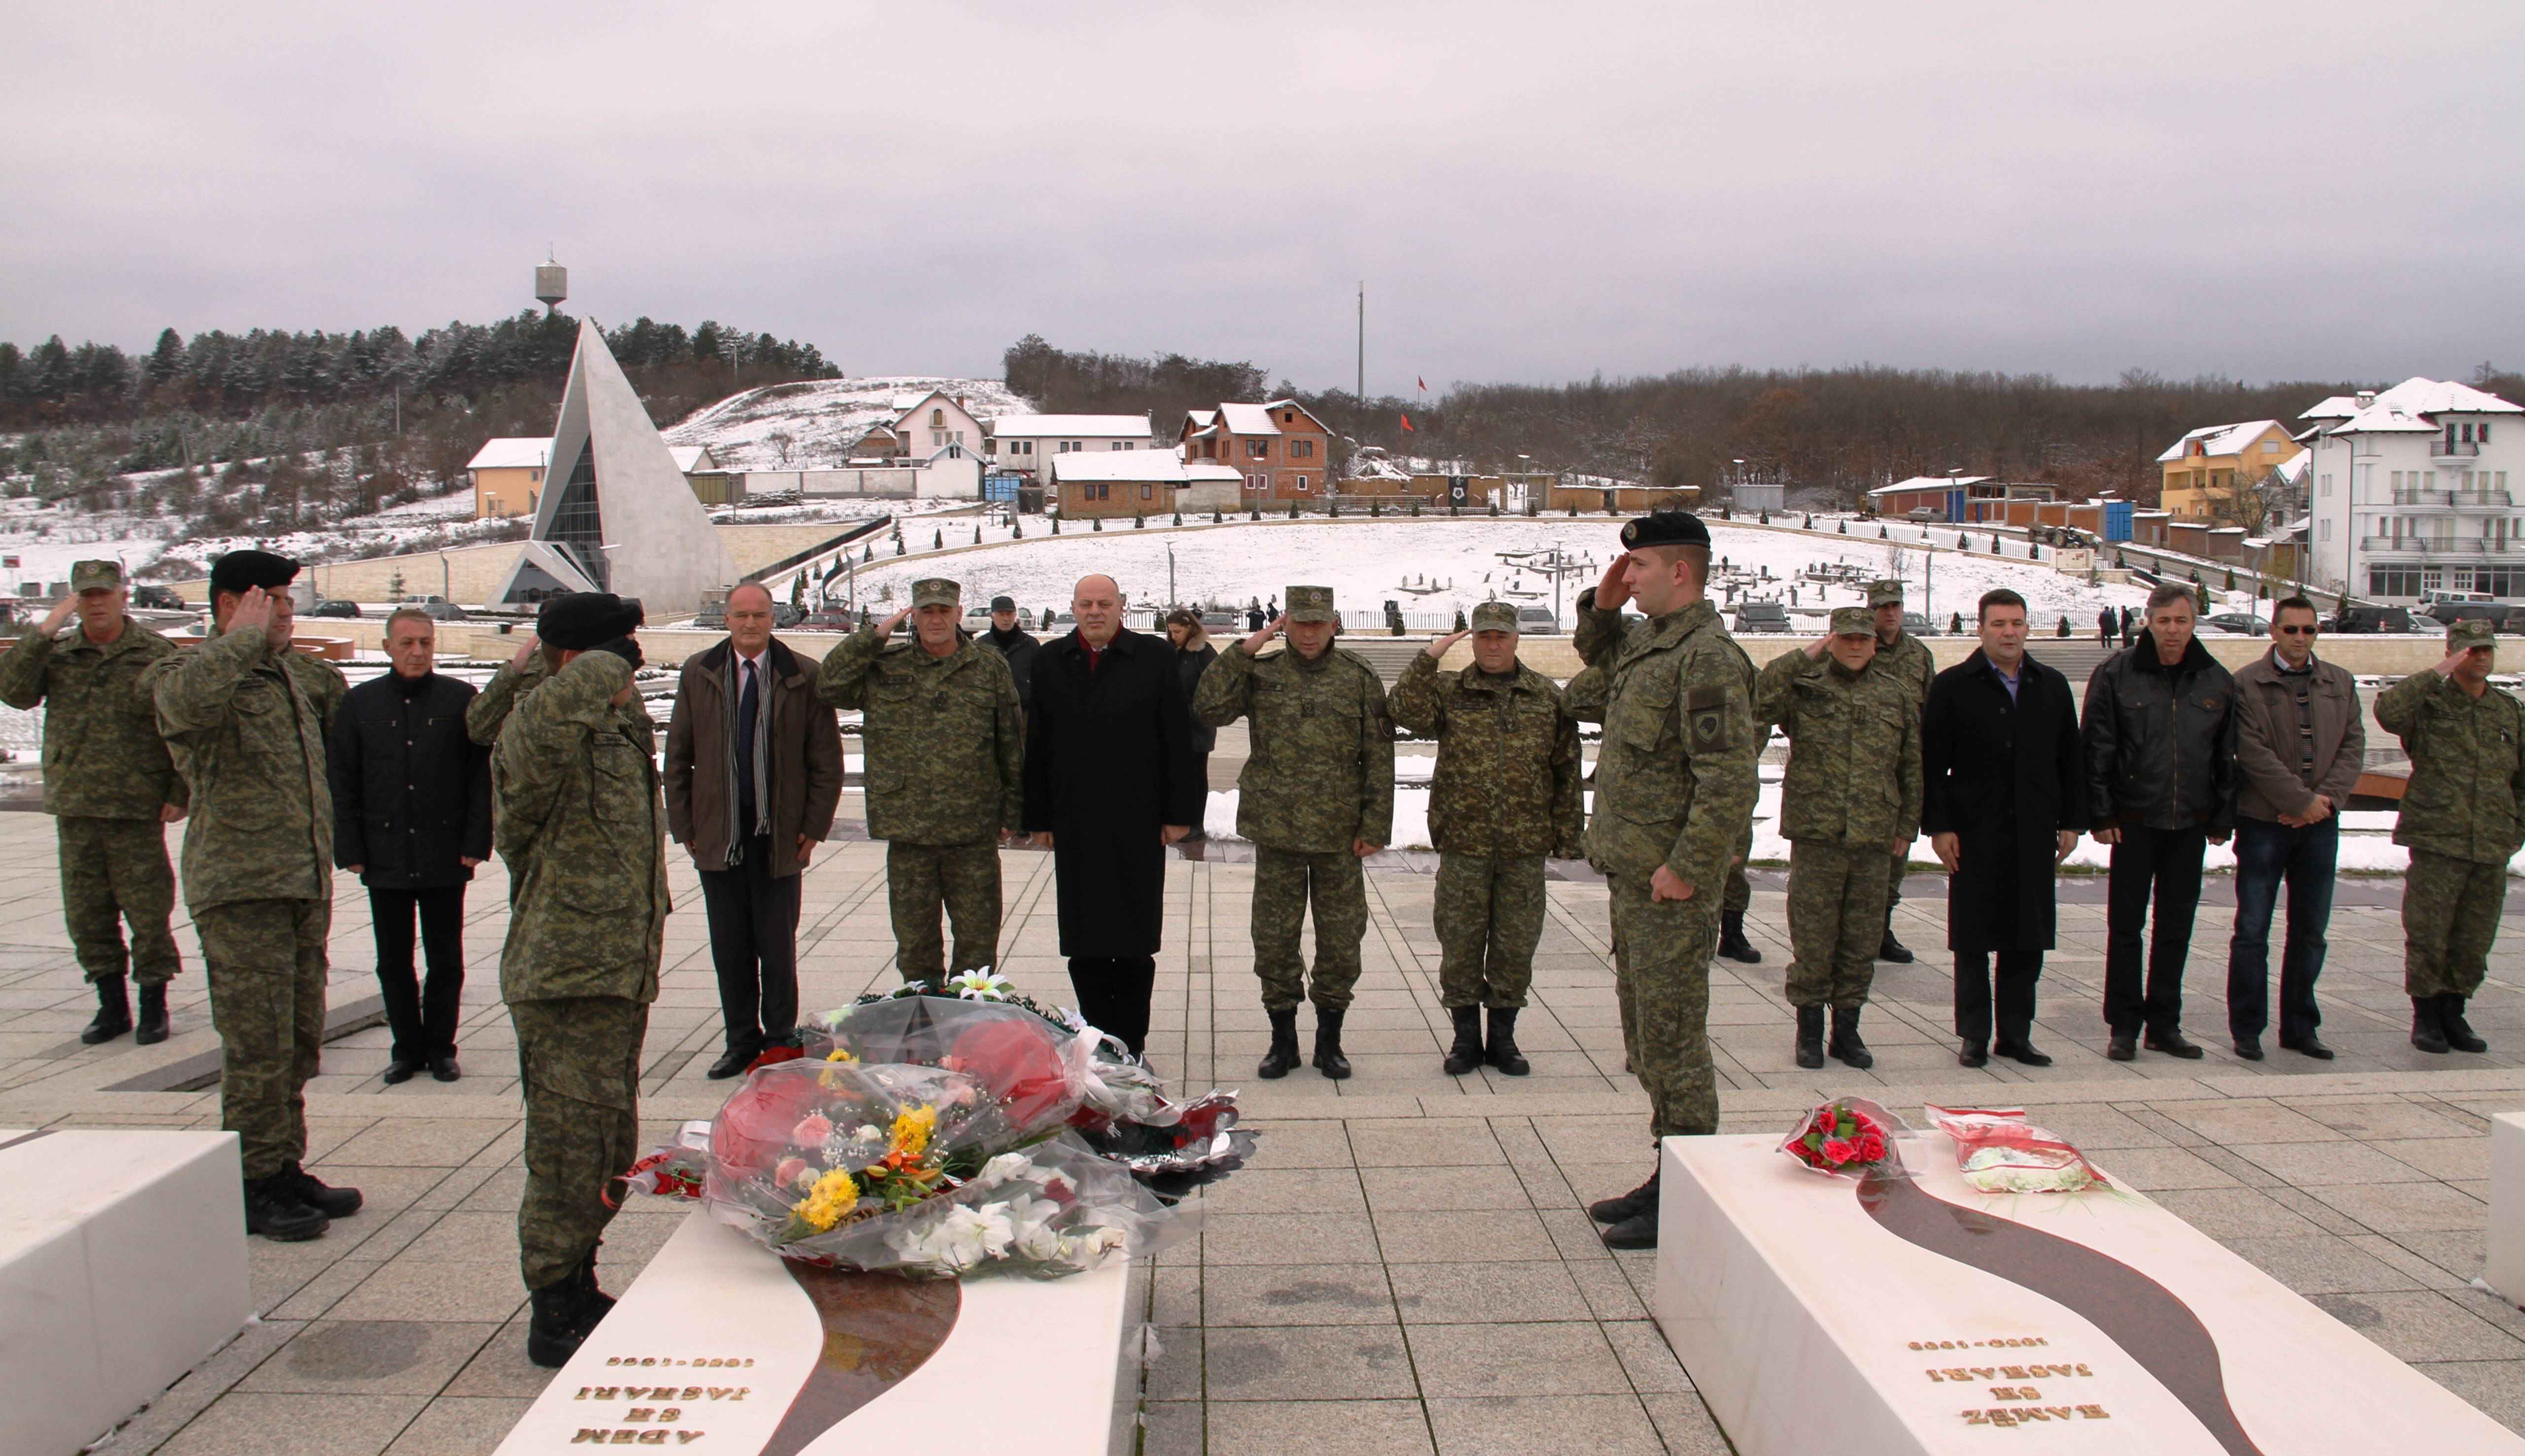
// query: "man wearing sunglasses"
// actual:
[[2300, 744]]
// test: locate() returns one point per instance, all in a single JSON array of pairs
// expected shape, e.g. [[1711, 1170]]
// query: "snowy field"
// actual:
[[824, 417]]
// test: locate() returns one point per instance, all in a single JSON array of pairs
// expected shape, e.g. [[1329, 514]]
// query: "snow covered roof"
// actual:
[[691, 458], [1157, 466], [1202, 419], [1249, 419], [2219, 439], [2380, 418], [1041, 427], [902, 412], [2401, 407], [512, 453], [2293, 469], [1927, 482]]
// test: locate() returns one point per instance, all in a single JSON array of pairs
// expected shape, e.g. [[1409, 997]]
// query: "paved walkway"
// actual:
[[1407, 1266]]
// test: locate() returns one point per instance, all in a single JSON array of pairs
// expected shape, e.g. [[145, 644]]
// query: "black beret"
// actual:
[[1004, 603], [242, 571], [1665, 528], [576, 621]]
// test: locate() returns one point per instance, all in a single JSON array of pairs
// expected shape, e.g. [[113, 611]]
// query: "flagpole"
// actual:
[[1361, 385]]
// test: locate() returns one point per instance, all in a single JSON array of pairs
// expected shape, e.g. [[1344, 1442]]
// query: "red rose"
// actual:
[[1871, 1148], [1019, 1061], [1840, 1150], [788, 1171], [752, 1131]]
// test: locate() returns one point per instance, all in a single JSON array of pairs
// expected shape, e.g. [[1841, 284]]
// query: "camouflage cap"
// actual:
[[2469, 633], [936, 591], [1884, 594], [1310, 604], [1493, 616], [96, 576], [1852, 622]]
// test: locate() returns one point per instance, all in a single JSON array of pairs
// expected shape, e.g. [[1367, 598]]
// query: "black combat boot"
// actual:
[[1732, 944], [2458, 1032], [273, 1209], [333, 1203], [1639, 1229], [1615, 1210], [1846, 1045], [1502, 1052], [152, 1028], [2426, 1034], [553, 1329], [1328, 1058], [1283, 1054], [1466, 1053], [1892, 949], [594, 1304], [1810, 1036], [113, 1011]]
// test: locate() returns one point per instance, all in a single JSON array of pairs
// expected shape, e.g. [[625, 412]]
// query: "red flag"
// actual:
[[1425, 384], [1407, 422]]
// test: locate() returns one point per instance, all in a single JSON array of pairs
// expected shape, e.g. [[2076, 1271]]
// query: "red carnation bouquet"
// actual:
[[1848, 1138]]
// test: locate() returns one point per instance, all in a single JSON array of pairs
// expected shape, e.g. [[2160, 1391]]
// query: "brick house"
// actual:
[[1283, 452]]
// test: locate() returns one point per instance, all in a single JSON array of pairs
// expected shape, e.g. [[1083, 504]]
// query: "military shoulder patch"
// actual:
[[1705, 720]]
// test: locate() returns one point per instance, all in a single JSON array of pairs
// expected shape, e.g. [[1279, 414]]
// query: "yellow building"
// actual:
[[2202, 467], [508, 474]]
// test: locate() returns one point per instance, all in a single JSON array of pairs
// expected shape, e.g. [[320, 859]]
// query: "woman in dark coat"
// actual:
[[1193, 656], [2004, 802], [1110, 774]]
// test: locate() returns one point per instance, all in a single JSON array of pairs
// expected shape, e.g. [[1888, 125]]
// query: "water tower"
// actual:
[[552, 284]]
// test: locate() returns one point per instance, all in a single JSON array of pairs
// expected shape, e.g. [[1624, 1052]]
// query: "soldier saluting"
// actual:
[[1315, 798], [1848, 802], [1505, 794], [1674, 789], [1907, 661]]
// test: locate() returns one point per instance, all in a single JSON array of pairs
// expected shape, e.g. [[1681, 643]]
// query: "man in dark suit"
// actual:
[[2004, 801], [412, 817]]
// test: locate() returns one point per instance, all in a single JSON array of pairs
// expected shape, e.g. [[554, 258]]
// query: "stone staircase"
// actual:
[[2076, 658], [1389, 655]]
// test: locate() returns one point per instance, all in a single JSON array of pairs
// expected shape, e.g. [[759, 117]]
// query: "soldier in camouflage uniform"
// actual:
[[1851, 795], [1907, 661], [245, 720], [1674, 789], [2463, 818], [1505, 794], [1317, 797], [945, 758], [579, 821], [1733, 944], [112, 791]]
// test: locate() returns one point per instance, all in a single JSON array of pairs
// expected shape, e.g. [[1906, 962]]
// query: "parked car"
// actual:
[[2448, 613], [2239, 621], [2371, 619], [442, 612], [150, 596], [1536, 621], [329, 608], [1762, 617], [831, 620], [1216, 622], [1917, 624]]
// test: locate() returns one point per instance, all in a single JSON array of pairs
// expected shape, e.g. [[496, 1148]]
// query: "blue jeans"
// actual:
[[2266, 852]]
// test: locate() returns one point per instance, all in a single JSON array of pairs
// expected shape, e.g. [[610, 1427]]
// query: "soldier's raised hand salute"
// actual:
[[1270, 629], [1438, 649], [887, 628], [60, 613], [1613, 589]]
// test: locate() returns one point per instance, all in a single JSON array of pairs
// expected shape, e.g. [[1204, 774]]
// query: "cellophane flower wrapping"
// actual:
[[917, 1170], [1851, 1138], [1998, 1151]]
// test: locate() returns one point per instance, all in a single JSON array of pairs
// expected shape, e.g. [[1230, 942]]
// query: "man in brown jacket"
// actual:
[[2300, 743], [753, 770]]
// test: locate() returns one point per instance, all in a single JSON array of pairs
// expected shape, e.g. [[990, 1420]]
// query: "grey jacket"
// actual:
[[2266, 740]]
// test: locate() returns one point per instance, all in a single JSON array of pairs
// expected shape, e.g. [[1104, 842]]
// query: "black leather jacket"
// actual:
[[2161, 741]]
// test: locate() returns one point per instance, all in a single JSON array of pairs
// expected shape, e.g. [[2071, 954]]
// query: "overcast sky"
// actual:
[[1532, 192]]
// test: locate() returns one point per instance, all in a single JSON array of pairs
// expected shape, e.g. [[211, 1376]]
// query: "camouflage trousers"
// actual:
[[265, 965], [1489, 918], [965, 879], [1896, 864], [112, 871], [1285, 882], [579, 1068], [1662, 952], [1739, 897], [2450, 917], [1836, 921]]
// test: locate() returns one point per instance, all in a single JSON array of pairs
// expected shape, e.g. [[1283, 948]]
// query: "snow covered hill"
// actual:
[[823, 418]]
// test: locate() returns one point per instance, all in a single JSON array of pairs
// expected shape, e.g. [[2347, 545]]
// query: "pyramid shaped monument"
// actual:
[[615, 515]]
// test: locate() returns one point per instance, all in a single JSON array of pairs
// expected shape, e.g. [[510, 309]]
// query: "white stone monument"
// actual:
[[1918, 1315], [2506, 1237]]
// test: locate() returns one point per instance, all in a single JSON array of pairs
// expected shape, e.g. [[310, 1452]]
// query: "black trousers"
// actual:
[[2018, 970], [754, 945], [2163, 866], [1113, 995], [421, 1014]]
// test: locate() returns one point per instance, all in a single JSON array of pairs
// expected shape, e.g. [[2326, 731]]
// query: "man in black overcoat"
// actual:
[[1112, 778], [2005, 799]]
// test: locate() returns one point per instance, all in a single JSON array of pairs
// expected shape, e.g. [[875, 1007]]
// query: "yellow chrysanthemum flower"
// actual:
[[837, 1054], [912, 1128], [833, 1196]]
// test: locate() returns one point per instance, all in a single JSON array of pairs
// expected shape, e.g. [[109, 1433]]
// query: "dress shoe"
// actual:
[[1628, 1205], [152, 1026], [444, 1068], [1283, 1055], [2172, 1043], [1500, 1047], [733, 1062], [333, 1203], [2250, 1048], [1328, 1058], [113, 1012], [1845, 1044], [2023, 1053], [1466, 1053], [397, 1071], [1810, 1036], [2309, 1046], [2122, 1048], [1973, 1054], [1894, 950]]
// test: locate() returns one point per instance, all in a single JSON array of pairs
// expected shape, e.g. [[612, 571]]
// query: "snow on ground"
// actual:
[[823, 417]]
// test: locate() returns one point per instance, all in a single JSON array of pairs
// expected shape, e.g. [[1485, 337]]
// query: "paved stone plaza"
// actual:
[[1406, 1264]]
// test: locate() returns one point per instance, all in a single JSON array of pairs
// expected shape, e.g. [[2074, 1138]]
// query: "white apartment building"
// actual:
[[2408, 493], [1030, 442]]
